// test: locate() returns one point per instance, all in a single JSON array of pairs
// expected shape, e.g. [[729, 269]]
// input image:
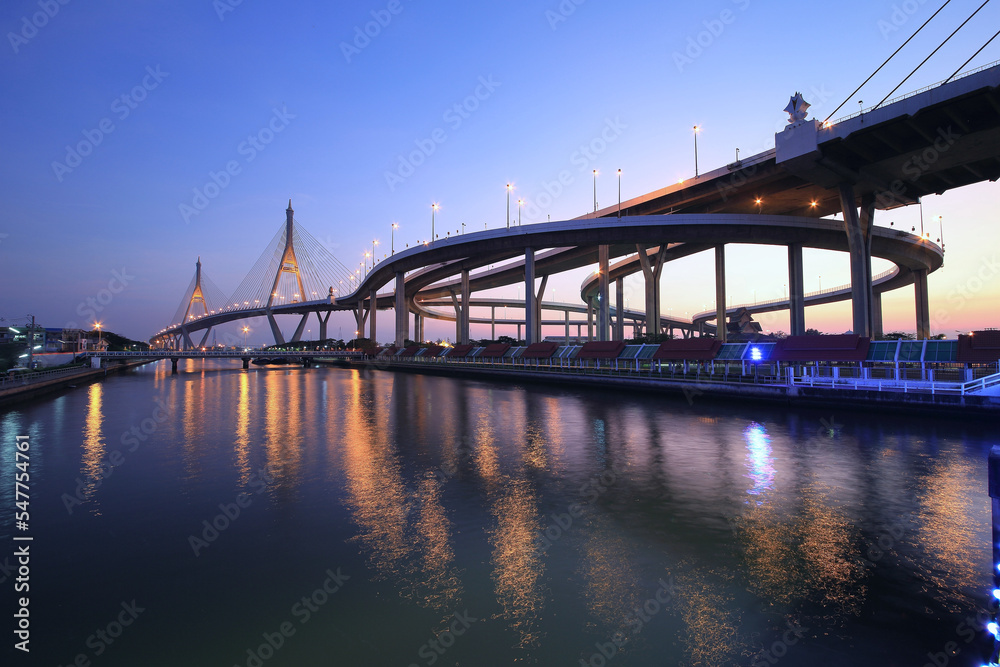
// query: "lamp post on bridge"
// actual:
[[393, 239], [595, 191], [697, 129], [519, 203], [509, 188], [434, 208], [374, 243], [619, 194], [245, 331]]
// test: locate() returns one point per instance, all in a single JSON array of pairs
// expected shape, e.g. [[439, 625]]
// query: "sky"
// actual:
[[139, 136]]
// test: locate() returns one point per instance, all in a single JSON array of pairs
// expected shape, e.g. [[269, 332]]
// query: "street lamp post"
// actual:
[[941, 231], [595, 191], [519, 202], [508, 205], [696, 131], [393, 237], [374, 243], [434, 208], [619, 194], [245, 331]]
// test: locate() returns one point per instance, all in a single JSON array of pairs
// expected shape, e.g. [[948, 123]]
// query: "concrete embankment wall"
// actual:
[[25, 392], [945, 405]]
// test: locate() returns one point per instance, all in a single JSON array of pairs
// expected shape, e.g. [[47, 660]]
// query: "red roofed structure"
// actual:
[[540, 351], [979, 347], [601, 350], [688, 349], [460, 351], [847, 347], [494, 351]]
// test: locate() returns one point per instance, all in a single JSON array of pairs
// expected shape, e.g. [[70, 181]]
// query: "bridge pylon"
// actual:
[[197, 299], [289, 264]]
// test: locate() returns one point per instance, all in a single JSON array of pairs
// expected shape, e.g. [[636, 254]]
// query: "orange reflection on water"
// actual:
[[93, 438], [283, 444], [612, 580], [517, 564], [437, 585], [242, 443], [711, 619], [952, 504]]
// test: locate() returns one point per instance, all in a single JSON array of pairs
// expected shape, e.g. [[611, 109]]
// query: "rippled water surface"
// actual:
[[398, 519]]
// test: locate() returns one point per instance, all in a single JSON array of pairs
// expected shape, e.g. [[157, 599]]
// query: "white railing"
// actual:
[[907, 386]]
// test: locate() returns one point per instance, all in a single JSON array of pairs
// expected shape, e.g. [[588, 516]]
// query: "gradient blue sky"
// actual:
[[62, 235]]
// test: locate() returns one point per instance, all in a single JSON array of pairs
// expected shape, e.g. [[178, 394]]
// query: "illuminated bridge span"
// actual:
[[935, 140]]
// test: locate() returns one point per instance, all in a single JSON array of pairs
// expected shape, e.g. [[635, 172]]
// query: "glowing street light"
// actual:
[[595, 191], [434, 209], [619, 194], [697, 129], [374, 243], [246, 330], [393, 239], [509, 188], [519, 202]]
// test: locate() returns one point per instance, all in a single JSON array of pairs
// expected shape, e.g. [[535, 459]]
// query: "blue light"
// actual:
[[993, 629], [755, 354], [996, 593]]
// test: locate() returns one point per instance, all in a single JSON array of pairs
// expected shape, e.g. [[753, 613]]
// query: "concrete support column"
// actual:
[[530, 312], [373, 309], [322, 323], [493, 322], [279, 339], [796, 291], [567, 327], [402, 319], [652, 268], [299, 329], [877, 315], [360, 318], [246, 363], [720, 293], [590, 321], [620, 309], [173, 365], [603, 299], [858, 226], [923, 305]]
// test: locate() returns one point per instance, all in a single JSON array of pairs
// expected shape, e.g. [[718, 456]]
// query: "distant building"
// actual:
[[741, 323]]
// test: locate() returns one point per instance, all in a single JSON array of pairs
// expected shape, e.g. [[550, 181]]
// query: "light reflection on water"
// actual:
[[433, 493]]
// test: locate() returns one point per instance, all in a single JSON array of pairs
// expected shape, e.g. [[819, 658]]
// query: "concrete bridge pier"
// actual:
[[619, 309], [246, 363], [402, 321], [858, 225], [462, 311], [877, 315], [372, 310], [651, 271], [493, 322], [923, 307], [360, 317], [567, 327], [322, 323], [297, 336], [173, 365], [532, 300], [279, 339], [796, 291], [603, 300], [720, 293]]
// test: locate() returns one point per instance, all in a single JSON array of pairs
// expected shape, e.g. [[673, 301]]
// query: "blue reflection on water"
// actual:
[[759, 460]]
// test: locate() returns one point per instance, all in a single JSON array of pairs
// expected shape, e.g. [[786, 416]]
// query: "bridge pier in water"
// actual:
[[720, 293], [796, 291], [651, 271]]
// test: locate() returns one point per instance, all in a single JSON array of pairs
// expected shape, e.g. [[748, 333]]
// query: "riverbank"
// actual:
[[691, 390], [30, 388]]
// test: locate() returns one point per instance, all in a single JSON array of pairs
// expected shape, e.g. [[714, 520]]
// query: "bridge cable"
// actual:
[[932, 53], [997, 33], [887, 60]]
